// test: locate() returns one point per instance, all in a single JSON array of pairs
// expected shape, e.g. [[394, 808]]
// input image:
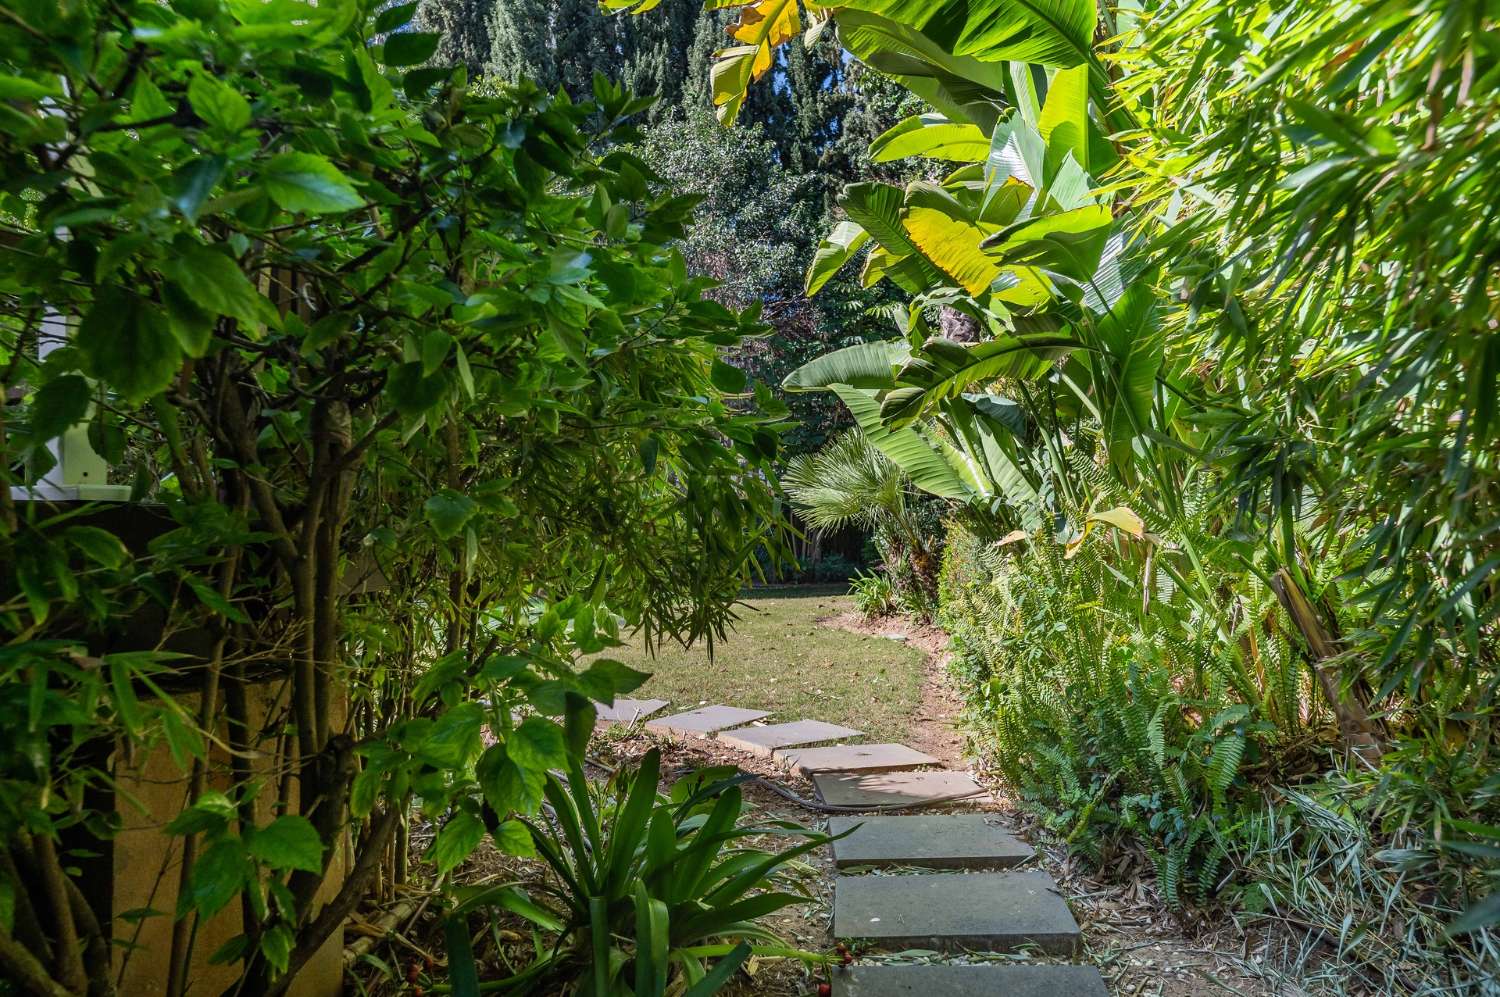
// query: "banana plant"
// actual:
[[651, 887], [1022, 243]]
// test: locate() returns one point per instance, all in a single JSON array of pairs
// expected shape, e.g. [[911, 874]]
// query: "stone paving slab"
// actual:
[[969, 981], [764, 740], [854, 758], [628, 711], [883, 789], [704, 721], [991, 911], [934, 841]]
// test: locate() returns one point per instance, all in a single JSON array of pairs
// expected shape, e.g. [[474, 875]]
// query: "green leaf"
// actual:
[[276, 945], [961, 87], [218, 876], [214, 282], [607, 678], [720, 975], [218, 104], [194, 182], [569, 266], [836, 249], [455, 736], [1125, 380], [931, 136], [1070, 243], [727, 378], [448, 512], [126, 345], [394, 17], [288, 842], [231, 951], [456, 841], [1044, 32], [512, 838], [20, 88], [304, 182], [408, 48], [943, 369], [538, 745], [98, 545], [1064, 122], [863, 365], [652, 941], [928, 469], [508, 788], [463, 974], [412, 393], [60, 403], [435, 347]]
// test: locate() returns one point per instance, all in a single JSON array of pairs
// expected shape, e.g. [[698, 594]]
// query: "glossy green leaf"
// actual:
[[307, 183], [931, 136], [288, 842]]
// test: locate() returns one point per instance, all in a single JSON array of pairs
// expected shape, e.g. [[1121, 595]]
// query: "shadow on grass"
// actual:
[[761, 593]]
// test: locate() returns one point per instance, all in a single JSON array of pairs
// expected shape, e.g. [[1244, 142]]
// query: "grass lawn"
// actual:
[[779, 658]]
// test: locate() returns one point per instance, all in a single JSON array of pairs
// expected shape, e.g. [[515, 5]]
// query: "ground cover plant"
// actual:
[[1215, 422], [417, 405]]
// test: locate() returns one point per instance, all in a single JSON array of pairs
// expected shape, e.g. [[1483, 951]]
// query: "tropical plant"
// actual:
[[873, 594], [653, 891], [1231, 269], [849, 481], [419, 406]]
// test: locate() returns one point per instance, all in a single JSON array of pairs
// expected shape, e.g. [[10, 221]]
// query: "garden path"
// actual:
[[940, 884]]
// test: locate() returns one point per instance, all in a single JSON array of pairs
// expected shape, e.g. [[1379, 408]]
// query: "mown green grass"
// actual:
[[779, 658]]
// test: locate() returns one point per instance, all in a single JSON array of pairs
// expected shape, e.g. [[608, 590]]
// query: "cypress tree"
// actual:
[[465, 27]]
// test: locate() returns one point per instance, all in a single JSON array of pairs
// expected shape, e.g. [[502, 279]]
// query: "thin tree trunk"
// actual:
[[1360, 735]]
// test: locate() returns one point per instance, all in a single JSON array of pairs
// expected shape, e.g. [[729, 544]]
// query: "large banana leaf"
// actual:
[[925, 464], [863, 365], [947, 234], [761, 27], [877, 207], [991, 447], [931, 136], [836, 249], [1132, 343], [1064, 124], [1069, 243], [943, 369], [1043, 32], [963, 88]]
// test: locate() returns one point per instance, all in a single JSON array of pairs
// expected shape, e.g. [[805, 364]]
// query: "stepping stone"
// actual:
[[993, 911], [936, 841], [854, 758], [705, 721], [969, 981], [764, 740], [628, 711], [885, 789]]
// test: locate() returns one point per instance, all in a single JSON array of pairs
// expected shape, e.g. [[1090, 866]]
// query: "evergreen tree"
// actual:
[[465, 29], [562, 43]]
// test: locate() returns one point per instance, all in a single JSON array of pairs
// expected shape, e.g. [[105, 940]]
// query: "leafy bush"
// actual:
[[425, 406], [1108, 732], [874, 595], [650, 889]]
